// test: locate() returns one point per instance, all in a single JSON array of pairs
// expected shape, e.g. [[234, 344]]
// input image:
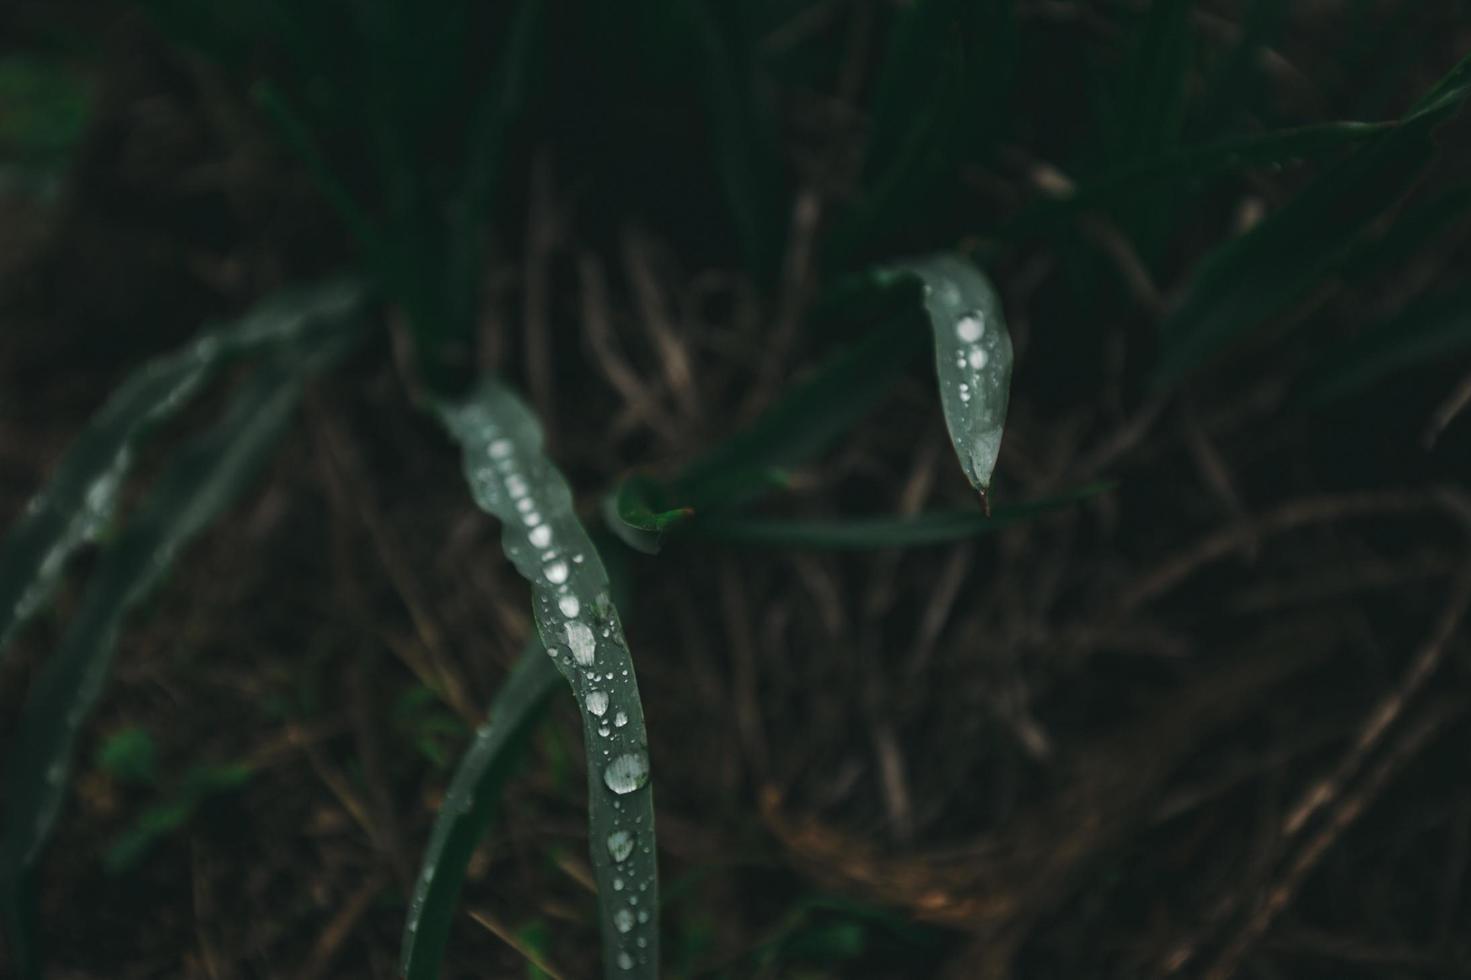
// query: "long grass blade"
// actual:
[[886, 532], [800, 425], [1246, 281], [511, 479], [972, 358], [1428, 330], [77, 502], [469, 807], [202, 480]]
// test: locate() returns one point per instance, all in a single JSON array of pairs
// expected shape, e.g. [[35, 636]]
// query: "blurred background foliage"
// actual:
[[1231, 236]]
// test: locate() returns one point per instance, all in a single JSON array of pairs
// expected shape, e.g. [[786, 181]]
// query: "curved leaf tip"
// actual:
[[973, 359]]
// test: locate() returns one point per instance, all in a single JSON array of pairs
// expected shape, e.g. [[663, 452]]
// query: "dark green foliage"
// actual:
[[470, 806], [204, 478], [1250, 279], [885, 532]]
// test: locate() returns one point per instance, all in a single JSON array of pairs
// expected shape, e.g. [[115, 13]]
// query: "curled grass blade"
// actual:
[[887, 532], [511, 479], [203, 479], [972, 358], [77, 502], [1250, 279], [468, 808]]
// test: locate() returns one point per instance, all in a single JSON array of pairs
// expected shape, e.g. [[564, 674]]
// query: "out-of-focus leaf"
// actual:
[[1428, 330], [1248, 280], [942, 94], [1151, 100], [885, 532], [469, 806], [77, 502], [129, 756], [165, 817], [805, 421], [1160, 174], [204, 478], [511, 478]]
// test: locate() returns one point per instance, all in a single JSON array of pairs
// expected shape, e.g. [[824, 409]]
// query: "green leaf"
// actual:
[[77, 502], [468, 808], [1152, 97], [886, 532], [129, 756], [804, 422], [631, 513], [164, 818], [972, 359], [1260, 274], [942, 93], [511, 478], [202, 480], [1427, 331], [1195, 163]]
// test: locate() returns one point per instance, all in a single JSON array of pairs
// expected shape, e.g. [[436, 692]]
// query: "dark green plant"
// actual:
[[414, 122]]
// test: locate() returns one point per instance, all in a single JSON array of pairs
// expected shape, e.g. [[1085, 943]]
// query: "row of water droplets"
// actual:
[[580, 629]]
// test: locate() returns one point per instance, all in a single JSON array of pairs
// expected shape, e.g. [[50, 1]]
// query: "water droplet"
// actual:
[[501, 448], [597, 702], [516, 486], [525, 505], [623, 920], [557, 574], [977, 358], [969, 328], [620, 845], [580, 639], [570, 606], [618, 884], [643, 915], [620, 719], [625, 962], [627, 772], [541, 536]]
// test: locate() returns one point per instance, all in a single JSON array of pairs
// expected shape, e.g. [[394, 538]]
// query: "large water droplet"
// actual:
[[620, 719], [580, 639], [625, 962], [501, 448], [540, 536], [620, 845], [557, 574], [597, 702], [970, 327], [627, 772], [570, 606], [623, 920], [977, 358]]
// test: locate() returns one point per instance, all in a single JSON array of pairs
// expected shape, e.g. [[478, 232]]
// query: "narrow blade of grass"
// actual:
[[205, 477], [75, 505], [1426, 331], [1247, 281], [886, 532], [972, 359], [1151, 99], [469, 807], [511, 479], [1159, 173], [800, 425]]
